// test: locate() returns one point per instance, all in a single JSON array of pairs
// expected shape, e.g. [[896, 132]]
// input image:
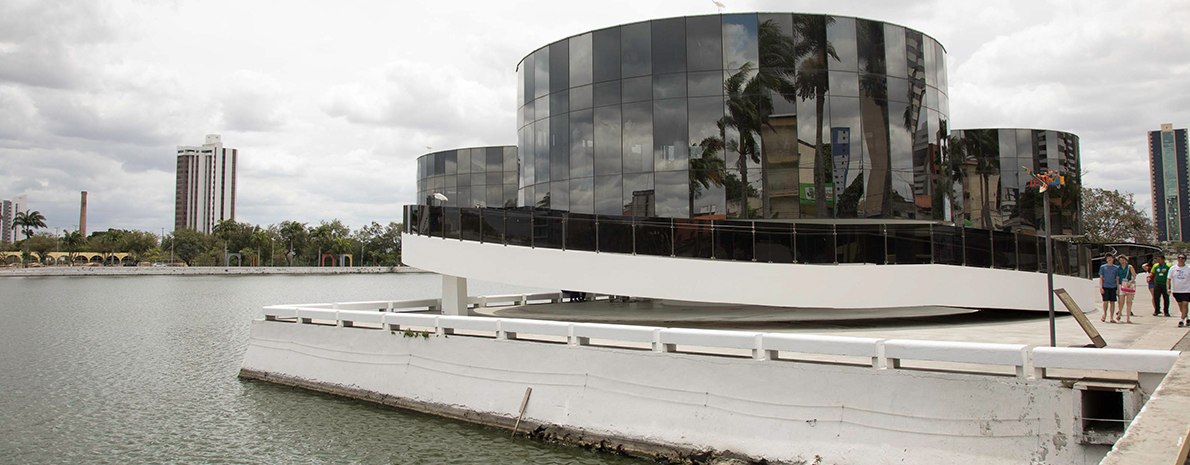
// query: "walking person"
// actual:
[[1109, 283], [1160, 270], [1179, 283], [1127, 289]]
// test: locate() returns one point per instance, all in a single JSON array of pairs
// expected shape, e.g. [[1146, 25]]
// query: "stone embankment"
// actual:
[[199, 270]]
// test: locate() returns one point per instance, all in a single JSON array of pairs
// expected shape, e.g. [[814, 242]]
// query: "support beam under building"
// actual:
[[454, 296]]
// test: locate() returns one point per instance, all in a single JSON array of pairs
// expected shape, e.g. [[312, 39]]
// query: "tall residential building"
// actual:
[[8, 211], [206, 185], [1168, 176]]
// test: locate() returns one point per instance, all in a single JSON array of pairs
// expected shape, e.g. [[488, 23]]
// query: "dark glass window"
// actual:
[[615, 234], [673, 194], [654, 236], [774, 242], [542, 198], [493, 225], [977, 246], [1028, 253], [439, 164], [704, 115], [637, 89], [606, 54], [518, 227], [776, 41], [580, 60], [639, 196], [609, 195], [580, 232], [704, 43], [909, 244], [451, 222], [670, 132], [669, 45], [733, 240], [510, 194], [509, 162], [669, 85], [607, 93], [607, 141], [464, 159], [860, 243], [413, 222], [471, 224], [434, 225], [581, 98], [560, 195], [707, 189], [638, 137], [560, 103], [582, 144], [740, 42], [894, 51], [1004, 250], [547, 230], [494, 157], [841, 34], [705, 84], [636, 50], [582, 195], [559, 66], [560, 147], [692, 238], [870, 37], [541, 73], [541, 156], [528, 69], [948, 245]]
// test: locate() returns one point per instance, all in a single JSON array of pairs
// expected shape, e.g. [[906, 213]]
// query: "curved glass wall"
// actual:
[[470, 177], [996, 191], [739, 116]]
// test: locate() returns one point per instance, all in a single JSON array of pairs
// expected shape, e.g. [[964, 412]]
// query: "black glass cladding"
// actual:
[[710, 94], [468, 177]]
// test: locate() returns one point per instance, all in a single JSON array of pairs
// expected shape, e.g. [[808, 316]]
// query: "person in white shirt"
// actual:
[[1179, 285]]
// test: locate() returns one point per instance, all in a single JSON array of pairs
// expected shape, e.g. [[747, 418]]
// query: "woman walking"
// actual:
[[1127, 289]]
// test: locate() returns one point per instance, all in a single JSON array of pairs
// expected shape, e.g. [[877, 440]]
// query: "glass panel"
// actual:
[[518, 228], [637, 89], [847, 155], [510, 194], [527, 71], [547, 230], [672, 194], [977, 246], [609, 195], [493, 225], [560, 195], [451, 222], [560, 103], [909, 244], [541, 108], [774, 242], [733, 240], [1004, 249], [840, 32], [560, 147], [580, 232], [541, 199], [580, 60], [607, 93], [541, 156], [928, 45], [439, 164], [704, 43], [606, 54], [1028, 253], [705, 84], [882, 199], [464, 161], [740, 42], [948, 245], [814, 243], [669, 45], [615, 234], [654, 236], [639, 196], [581, 98], [559, 65], [870, 40], [413, 223], [494, 157], [541, 73], [478, 160], [509, 162], [638, 137], [471, 224], [692, 238], [434, 225], [636, 50], [582, 195], [669, 86], [582, 144], [607, 141], [776, 41], [670, 131], [859, 244]]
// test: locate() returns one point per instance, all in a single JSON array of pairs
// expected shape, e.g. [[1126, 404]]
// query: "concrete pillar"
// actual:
[[454, 296]]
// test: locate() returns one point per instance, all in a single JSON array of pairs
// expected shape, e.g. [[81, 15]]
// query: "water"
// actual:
[[143, 369]]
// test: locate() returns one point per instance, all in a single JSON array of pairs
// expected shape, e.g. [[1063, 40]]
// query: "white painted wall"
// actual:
[[773, 409], [722, 281]]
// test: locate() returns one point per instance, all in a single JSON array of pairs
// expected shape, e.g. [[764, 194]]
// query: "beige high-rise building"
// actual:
[[206, 185]]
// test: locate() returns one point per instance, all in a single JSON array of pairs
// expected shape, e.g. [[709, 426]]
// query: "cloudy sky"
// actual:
[[330, 103]]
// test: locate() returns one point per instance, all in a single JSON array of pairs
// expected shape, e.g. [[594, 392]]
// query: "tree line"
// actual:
[[289, 243]]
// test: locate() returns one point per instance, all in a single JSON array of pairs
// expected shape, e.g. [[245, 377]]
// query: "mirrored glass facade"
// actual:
[[1169, 171], [996, 191], [469, 177], [739, 116]]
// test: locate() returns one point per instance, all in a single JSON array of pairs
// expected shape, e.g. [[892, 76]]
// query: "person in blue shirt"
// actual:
[[1109, 284]]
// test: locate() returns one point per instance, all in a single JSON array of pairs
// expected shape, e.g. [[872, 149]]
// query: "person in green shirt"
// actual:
[[1159, 272]]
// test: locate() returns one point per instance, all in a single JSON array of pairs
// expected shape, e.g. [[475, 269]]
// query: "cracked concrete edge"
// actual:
[[660, 452], [1160, 433]]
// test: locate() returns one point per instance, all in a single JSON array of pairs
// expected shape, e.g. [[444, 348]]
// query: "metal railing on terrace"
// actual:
[[806, 242]]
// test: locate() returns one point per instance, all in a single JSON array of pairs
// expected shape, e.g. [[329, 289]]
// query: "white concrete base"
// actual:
[[775, 410], [454, 296]]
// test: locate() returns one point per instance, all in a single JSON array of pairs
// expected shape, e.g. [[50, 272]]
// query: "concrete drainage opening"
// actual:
[[1106, 409]]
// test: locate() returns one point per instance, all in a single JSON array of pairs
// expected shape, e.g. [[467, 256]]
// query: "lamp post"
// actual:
[[1044, 181]]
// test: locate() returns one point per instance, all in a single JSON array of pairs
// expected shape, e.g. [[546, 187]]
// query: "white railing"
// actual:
[[1027, 362], [423, 304]]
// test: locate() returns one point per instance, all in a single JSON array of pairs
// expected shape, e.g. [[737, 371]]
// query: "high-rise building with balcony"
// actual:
[[206, 185], [1168, 177]]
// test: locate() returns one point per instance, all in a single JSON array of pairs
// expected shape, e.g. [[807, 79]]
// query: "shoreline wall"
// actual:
[[198, 270], [679, 406]]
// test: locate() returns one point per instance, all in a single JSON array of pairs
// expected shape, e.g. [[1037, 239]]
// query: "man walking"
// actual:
[[1160, 272], [1109, 284], [1179, 283]]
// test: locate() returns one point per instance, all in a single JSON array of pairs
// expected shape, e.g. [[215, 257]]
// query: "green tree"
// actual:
[[189, 244], [136, 243], [74, 242], [1112, 216], [296, 238], [41, 244], [27, 222]]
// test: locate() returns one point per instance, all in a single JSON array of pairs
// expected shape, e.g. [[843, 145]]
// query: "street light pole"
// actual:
[[1049, 267]]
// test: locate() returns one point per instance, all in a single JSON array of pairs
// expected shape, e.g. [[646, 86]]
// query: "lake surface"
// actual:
[[143, 369]]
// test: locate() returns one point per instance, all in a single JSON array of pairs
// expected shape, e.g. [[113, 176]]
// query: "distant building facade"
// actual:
[[1168, 179], [206, 185], [8, 212]]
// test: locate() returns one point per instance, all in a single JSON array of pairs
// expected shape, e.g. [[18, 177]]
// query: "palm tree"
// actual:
[[813, 52], [73, 240], [28, 221], [981, 146]]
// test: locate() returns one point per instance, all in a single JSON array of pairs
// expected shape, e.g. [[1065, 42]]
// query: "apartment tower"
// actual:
[[206, 185], [1168, 177]]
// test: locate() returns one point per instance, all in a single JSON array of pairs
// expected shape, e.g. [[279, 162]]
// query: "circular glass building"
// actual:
[[468, 177], [759, 115]]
